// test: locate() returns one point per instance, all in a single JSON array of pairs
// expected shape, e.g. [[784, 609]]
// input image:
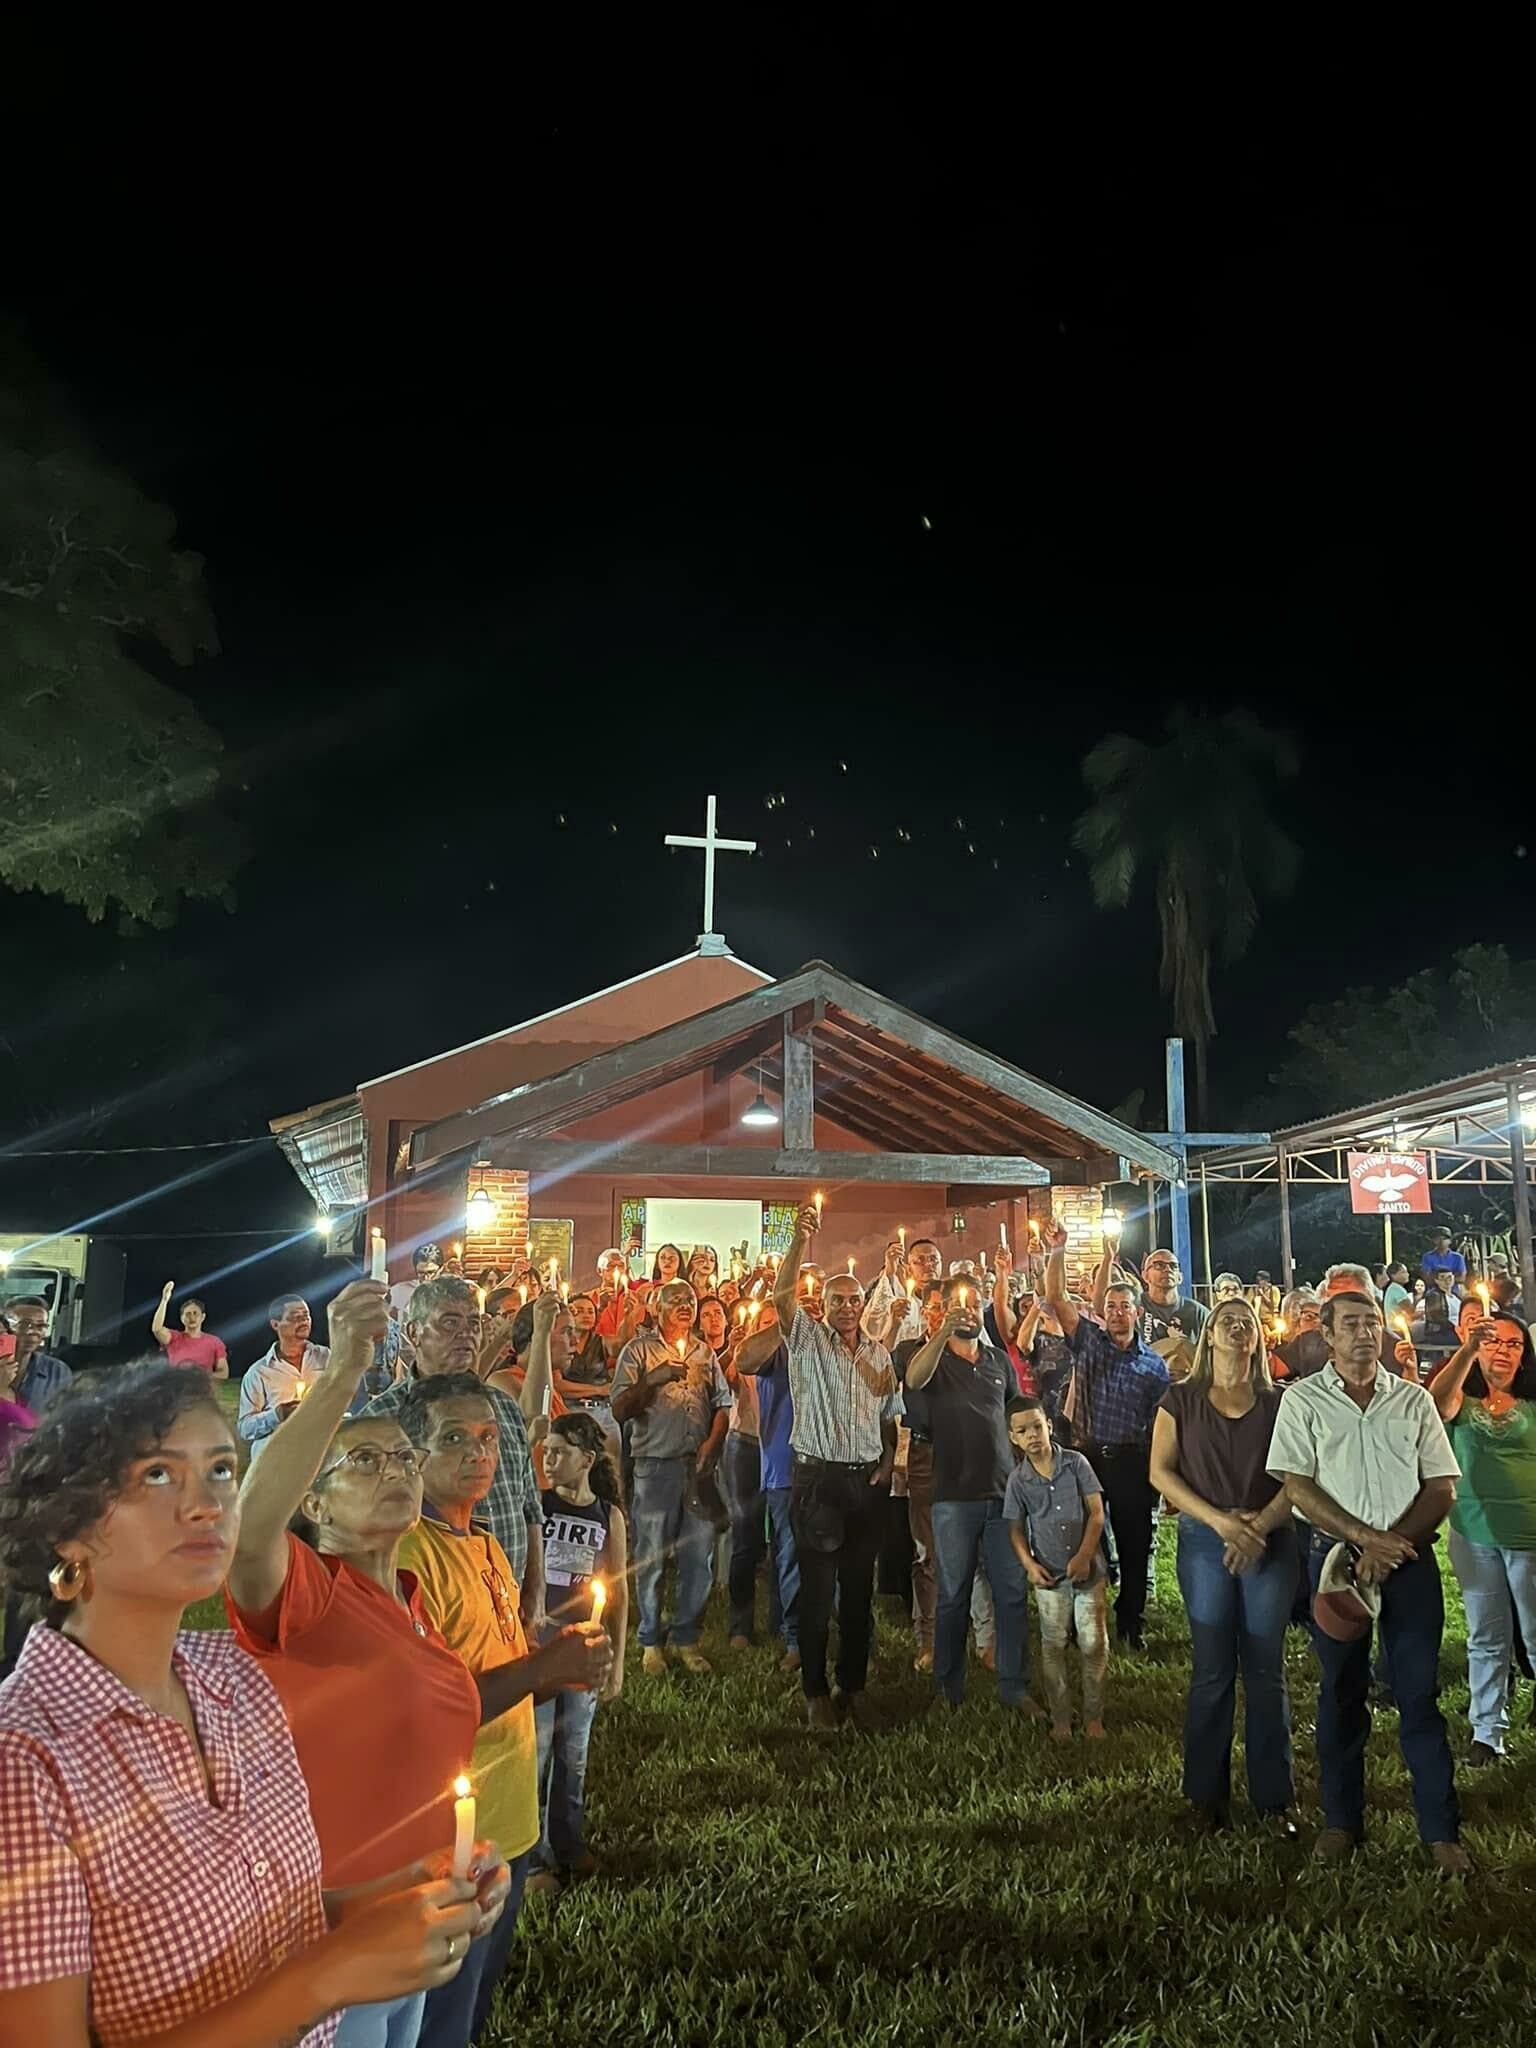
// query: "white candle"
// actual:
[[378, 1264], [901, 1235], [850, 1265], [818, 1205], [463, 1826], [1002, 1231]]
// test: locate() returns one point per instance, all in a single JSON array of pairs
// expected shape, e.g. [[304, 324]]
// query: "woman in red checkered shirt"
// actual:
[[161, 1877]]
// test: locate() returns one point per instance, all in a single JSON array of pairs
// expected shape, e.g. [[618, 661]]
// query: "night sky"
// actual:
[[810, 461]]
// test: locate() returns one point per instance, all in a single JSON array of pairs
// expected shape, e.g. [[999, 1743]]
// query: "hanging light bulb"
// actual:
[[481, 1212], [323, 1221], [761, 1114]]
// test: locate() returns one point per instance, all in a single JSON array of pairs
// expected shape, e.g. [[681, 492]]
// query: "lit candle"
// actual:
[[1002, 1234], [901, 1236], [818, 1204], [565, 1290], [983, 1263], [301, 1390], [1485, 1295], [378, 1264], [682, 1348], [522, 1296], [850, 1265], [458, 1251], [599, 1599], [1405, 1326], [552, 1272], [463, 1826], [1279, 1328], [911, 1290]]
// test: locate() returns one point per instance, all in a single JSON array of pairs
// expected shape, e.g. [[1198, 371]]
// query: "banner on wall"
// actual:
[[1389, 1183]]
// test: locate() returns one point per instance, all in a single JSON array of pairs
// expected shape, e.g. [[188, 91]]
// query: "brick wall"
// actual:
[[503, 1243], [1080, 1210]]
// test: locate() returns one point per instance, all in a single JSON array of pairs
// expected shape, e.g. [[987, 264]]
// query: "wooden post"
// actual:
[[1287, 1263], [1522, 1191], [799, 1091]]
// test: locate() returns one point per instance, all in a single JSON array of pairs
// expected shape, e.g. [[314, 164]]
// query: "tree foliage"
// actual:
[[1443, 1021], [105, 770], [1190, 813]]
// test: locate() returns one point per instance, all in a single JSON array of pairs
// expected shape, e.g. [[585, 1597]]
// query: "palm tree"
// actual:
[[1193, 810]]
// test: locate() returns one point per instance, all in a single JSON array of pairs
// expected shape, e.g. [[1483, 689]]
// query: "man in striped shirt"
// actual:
[[844, 1441]]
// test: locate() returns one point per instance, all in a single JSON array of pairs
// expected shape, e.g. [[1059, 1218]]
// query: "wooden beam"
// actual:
[[925, 1099], [799, 1089], [932, 1084], [744, 1052], [558, 1158]]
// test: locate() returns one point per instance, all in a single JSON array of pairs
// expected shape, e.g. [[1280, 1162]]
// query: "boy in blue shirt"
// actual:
[[1054, 1508]]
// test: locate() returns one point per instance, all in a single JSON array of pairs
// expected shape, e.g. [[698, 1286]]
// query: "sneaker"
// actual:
[[790, 1661], [923, 1661], [1280, 1822], [1481, 1753], [549, 1882], [654, 1662], [741, 1642], [1450, 1859], [693, 1659], [821, 1715], [1334, 1845]]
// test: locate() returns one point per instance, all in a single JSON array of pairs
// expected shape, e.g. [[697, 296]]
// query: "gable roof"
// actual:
[[882, 1072]]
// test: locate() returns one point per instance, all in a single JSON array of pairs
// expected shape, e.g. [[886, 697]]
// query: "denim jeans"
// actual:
[[965, 1533], [1237, 1622], [564, 1726], [456, 2011], [1062, 1608], [786, 1564], [1412, 1620], [395, 2023], [741, 1470], [836, 1515], [662, 1527], [1492, 1579]]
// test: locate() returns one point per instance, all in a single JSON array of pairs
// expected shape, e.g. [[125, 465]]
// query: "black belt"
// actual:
[[837, 1464], [586, 1400], [1120, 1450]]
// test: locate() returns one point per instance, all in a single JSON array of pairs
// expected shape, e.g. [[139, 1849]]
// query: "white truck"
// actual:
[[80, 1278]]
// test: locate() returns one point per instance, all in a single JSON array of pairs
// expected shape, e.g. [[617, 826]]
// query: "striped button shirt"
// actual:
[[841, 1397], [514, 1499]]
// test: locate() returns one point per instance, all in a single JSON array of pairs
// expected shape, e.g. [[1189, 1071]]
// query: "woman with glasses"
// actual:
[[384, 1714], [1486, 1396]]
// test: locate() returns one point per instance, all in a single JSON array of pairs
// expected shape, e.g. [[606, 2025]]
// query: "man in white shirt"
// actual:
[[1365, 1458], [273, 1387], [922, 1264]]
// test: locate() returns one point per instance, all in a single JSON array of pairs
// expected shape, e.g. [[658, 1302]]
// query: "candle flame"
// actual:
[[522, 1296], [1404, 1326], [682, 1347], [565, 1290], [911, 1289], [850, 1265], [599, 1599], [462, 1787], [819, 1199], [901, 1235]]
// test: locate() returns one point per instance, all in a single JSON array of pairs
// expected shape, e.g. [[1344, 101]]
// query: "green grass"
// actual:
[[961, 1881]]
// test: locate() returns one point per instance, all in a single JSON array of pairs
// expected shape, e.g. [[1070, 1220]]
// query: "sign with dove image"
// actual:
[[1389, 1183]]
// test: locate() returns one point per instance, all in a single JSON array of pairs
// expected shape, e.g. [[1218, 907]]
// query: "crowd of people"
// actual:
[[446, 1512]]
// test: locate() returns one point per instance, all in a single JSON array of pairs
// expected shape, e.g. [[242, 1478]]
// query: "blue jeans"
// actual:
[[662, 1527], [787, 1565], [1491, 1579], [741, 1470], [965, 1533], [396, 2023], [1412, 1620], [1237, 1622], [564, 1727], [456, 2011]]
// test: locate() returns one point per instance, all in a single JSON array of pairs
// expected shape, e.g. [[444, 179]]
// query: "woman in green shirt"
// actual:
[[1486, 1395]]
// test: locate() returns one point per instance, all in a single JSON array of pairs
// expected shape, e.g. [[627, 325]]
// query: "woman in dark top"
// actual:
[[1237, 1564]]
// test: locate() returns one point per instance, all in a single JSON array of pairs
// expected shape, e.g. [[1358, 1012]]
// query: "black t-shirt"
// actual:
[[1186, 1317], [967, 1418]]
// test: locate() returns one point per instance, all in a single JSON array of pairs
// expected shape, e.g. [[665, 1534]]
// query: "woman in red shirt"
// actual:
[[192, 1345], [163, 1876], [384, 1715]]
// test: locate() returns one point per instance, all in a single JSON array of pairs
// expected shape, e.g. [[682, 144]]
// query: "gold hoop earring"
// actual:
[[67, 1580]]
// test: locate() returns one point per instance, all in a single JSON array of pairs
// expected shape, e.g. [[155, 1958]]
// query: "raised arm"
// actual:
[[923, 1364], [1055, 1236], [277, 1483], [537, 1382], [1448, 1388], [786, 1283], [754, 1353], [1002, 1308], [157, 1329]]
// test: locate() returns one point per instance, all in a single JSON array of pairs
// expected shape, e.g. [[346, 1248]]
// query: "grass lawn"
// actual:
[[960, 1880]]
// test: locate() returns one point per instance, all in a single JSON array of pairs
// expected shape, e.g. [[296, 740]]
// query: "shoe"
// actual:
[[741, 1642], [693, 1659], [821, 1715], [1280, 1822], [549, 1882], [1061, 1731], [654, 1662], [854, 1711], [1030, 1708], [1095, 1731], [987, 1658], [923, 1661], [1209, 1819], [1450, 1859], [1481, 1753], [790, 1661], [1334, 1845], [1132, 1641], [584, 1865]]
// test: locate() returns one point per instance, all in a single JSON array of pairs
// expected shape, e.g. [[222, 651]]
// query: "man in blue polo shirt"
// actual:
[[1117, 1382], [1442, 1267], [766, 1356]]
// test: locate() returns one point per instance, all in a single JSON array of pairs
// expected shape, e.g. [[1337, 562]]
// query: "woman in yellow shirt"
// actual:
[[468, 1589]]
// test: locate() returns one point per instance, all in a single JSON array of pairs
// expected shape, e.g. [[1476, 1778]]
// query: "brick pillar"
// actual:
[[503, 1243], [1080, 1209]]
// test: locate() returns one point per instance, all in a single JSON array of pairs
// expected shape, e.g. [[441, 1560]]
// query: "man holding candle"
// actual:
[[669, 1389], [921, 1264], [964, 1385], [847, 1405], [272, 1388]]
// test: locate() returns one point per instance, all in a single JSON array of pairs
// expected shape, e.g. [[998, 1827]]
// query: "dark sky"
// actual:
[[631, 506]]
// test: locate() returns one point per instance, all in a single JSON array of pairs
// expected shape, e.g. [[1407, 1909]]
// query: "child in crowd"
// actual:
[[584, 1539], [1054, 1507]]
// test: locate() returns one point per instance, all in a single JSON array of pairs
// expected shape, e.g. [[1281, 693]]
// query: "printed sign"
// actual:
[[1389, 1183]]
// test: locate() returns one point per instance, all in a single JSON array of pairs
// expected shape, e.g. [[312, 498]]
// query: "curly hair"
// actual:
[[587, 1434], [65, 1474]]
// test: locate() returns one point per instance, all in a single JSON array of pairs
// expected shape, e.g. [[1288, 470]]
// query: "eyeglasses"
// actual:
[[1502, 1344], [369, 1462]]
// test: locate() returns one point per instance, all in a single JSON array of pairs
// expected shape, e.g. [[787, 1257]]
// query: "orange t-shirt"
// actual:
[[384, 1715]]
